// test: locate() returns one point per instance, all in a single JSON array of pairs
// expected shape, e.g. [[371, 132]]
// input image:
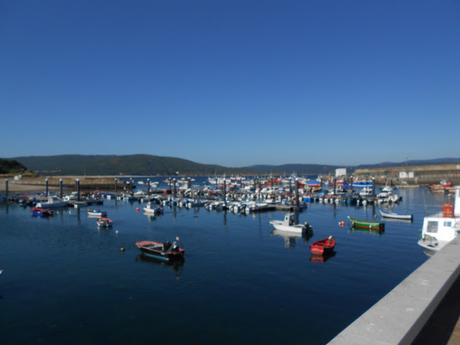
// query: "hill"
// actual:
[[10, 166], [150, 165]]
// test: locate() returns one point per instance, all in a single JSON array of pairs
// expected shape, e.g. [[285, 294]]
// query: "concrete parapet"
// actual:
[[400, 315]]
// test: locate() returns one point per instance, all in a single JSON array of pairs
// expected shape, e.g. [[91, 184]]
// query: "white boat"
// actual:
[[149, 209], [53, 202], [439, 229], [97, 213], [393, 215], [289, 224], [366, 191]]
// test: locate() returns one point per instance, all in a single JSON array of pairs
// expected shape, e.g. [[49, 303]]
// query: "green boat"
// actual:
[[366, 224]]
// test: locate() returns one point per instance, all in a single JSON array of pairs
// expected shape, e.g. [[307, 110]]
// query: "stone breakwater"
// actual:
[[37, 183]]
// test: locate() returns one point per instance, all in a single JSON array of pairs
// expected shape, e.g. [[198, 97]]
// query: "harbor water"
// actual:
[[67, 282]]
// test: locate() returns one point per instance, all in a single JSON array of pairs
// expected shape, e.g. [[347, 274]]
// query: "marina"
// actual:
[[238, 270]]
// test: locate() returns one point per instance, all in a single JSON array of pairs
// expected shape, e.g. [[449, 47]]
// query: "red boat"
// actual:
[[41, 212], [165, 251], [323, 247]]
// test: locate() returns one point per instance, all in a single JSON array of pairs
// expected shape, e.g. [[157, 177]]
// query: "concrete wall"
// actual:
[[400, 315]]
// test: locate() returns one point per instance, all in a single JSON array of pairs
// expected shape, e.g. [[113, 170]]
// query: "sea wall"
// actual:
[[400, 315]]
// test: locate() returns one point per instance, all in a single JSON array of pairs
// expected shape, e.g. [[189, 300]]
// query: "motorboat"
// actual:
[[41, 212], [441, 228], [53, 202], [104, 222], [164, 251], [289, 224], [97, 213], [150, 209]]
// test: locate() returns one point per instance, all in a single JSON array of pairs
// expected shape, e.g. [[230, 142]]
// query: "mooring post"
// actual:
[[148, 186], [61, 188], [46, 187], [116, 186], [77, 182], [225, 192], [6, 189]]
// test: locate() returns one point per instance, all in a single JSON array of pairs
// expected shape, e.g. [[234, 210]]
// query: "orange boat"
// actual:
[[323, 247]]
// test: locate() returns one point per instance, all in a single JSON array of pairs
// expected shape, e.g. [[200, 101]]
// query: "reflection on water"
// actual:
[[322, 258], [176, 266], [291, 237]]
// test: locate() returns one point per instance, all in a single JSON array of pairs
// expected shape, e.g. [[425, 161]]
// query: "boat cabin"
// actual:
[[440, 228]]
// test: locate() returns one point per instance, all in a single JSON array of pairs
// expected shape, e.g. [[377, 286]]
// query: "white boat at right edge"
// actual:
[[439, 229]]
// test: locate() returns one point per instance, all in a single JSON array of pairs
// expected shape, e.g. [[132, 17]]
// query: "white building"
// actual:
[[340, 172]]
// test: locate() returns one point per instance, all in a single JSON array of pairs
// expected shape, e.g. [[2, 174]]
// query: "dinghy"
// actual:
[[323, 247], [366, 224], [164, 251], [393, 215]]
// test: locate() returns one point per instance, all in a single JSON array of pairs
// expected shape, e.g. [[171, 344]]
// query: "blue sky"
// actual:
[[232, 82]]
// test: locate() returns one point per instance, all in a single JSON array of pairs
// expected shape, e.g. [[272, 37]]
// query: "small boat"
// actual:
[[149, 209], [366, 224], [41, 212], [393, 215], [97, 213], [289, 224], [53, 202], [323, 247], [164, 251], [104, 222]]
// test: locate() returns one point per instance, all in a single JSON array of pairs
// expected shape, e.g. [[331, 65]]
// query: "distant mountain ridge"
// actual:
[[10, 166], [144, 164]]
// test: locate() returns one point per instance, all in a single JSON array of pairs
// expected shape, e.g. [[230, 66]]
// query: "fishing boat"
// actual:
[[41, 212], [97, 213], [164, 251], [289, 224], [323, 247], [398, 216], [441, 228], [53, 202], [366, 224], [149, 209], [104, 222]]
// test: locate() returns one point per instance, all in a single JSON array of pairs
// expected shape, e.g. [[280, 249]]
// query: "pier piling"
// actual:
[[77, 183], [46, 187], [61, 188]]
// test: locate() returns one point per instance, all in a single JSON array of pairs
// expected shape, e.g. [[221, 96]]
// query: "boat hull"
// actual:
[[396, 216], [288, 228], [365, 225]]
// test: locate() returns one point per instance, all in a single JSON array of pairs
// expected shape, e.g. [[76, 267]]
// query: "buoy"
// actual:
[[116, 231], [138, 209], [342, 223], [122, 249]]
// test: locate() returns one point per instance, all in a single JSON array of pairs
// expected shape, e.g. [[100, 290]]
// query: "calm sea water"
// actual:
[[66, 282]]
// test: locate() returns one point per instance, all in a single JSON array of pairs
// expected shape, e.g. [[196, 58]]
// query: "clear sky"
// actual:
[[232, 82]]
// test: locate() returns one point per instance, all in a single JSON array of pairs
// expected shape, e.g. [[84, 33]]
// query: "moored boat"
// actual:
[[104, 222], [366, 224], [164, 251], [41, 212], [323, 247], [398, 216], [441, 228], [53, 202], [97, 213], [289, 224]]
